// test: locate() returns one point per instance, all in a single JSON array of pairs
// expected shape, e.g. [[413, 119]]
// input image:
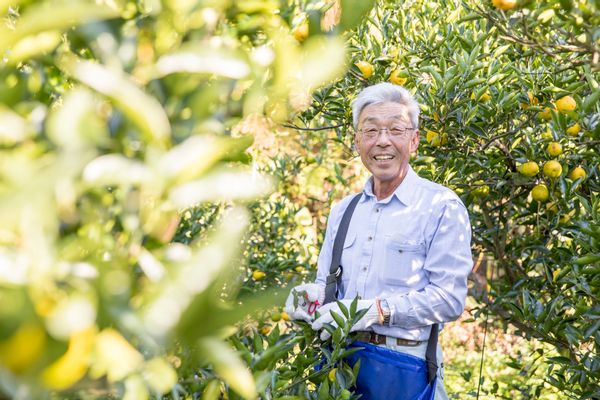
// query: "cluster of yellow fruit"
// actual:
[[398, 76], [552, 169], [564, 105]]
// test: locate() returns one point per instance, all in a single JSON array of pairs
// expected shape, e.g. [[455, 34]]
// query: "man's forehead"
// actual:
[[384, 112]]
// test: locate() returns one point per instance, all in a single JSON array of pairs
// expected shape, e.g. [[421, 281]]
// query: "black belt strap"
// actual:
[[431, 353], [335, 269]]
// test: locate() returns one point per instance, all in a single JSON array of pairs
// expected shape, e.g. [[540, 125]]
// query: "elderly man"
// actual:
[[406, 254]]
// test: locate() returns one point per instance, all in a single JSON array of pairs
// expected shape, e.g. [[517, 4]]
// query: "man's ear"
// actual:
[[414, 141]]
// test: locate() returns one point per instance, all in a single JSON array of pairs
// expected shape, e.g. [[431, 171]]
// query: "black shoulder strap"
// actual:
[[335, 269], [431, 353]]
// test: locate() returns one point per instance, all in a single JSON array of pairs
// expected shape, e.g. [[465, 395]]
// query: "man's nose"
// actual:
[[383, 138]]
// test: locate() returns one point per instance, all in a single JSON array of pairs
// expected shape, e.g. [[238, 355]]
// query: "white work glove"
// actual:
[[304, 300], [371, 316]]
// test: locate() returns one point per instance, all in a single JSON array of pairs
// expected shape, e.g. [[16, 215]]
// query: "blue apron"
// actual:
[[385, 374]]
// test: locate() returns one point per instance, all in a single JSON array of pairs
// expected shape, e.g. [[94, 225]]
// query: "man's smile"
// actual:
[[384, 157]]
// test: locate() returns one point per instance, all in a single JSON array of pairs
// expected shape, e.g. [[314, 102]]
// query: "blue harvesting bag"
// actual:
[[405, 375]]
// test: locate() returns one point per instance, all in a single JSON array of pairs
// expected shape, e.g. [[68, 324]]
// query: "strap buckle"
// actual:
[[338, 271]]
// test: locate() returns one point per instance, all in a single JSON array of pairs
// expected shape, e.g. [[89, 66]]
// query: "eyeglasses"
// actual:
[[396, 132]]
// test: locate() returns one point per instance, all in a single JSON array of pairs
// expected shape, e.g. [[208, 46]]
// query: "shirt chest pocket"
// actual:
[[404, 260]]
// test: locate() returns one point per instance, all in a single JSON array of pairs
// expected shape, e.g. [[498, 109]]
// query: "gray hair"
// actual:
[[383, 93]]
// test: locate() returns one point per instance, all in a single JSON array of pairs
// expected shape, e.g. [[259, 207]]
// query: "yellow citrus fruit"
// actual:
[[566, 104], [331, 374], [300, 31], [285, 316], [365, 68], [574, 130], [546, 115], [552, 169], [554, 149], [481, 190], [265, 330], [276, 317], [530, 168], [258, 275], [72, 365], [24, 348], [540, 193], [504, 4], [398, 77], [576, 173]]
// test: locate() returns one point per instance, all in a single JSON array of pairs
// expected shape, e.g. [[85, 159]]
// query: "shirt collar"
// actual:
[[404, 192]]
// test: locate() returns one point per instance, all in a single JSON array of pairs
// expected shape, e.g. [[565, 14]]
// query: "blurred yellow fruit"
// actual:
[[566, 104], [300, 31], [365, 68], [71, 366], [504, 4], [530, 168], [552, 169], [576, 173], [265, 330], [540, 193], [481, 190], [396, 78], [331, 374], [300, 269], [546, 115], [554, 149], [20, 351], [258, 275], [574, 129], [285, 316]]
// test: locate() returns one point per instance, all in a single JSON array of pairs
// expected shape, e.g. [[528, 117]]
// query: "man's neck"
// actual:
[[384, 189]]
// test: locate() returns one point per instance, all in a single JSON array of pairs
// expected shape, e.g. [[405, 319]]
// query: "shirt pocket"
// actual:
[[404, 260]]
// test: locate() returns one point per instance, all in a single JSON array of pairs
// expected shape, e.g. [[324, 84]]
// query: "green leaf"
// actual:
[[228, 366], [591, 100], [353, 12]]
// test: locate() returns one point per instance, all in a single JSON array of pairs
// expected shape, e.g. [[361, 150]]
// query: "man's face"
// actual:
[[385, 155]]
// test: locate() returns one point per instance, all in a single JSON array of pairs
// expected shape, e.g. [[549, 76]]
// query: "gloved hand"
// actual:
[[371, 316], [304, 300]]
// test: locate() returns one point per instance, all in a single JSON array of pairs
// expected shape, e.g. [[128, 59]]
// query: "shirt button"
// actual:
[[377, 210], [370, 238], [364, 268]]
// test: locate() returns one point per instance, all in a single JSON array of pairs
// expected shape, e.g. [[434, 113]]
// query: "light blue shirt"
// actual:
[[412, 249]]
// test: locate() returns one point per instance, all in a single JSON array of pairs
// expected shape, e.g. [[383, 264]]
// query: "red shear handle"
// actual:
[[312, 307]]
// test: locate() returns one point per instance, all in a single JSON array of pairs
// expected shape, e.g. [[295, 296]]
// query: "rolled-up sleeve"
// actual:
[[448, 263]]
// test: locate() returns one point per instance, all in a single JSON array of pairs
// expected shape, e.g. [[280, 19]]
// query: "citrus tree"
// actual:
[[510, 120]]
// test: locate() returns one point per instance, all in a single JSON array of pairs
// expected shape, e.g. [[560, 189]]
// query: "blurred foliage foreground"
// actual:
[[134, 246]]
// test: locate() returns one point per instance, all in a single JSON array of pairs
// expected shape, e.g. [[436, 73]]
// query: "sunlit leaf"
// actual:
[[51, 16], [13, 128], [204, 60], [226, 184], [144, 110], [115, 169], [228, 365], [32, 46]]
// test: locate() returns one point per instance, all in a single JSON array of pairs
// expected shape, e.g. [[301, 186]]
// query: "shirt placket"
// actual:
[[366, 254]]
